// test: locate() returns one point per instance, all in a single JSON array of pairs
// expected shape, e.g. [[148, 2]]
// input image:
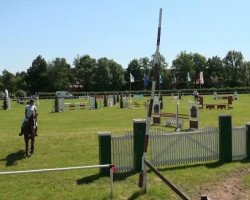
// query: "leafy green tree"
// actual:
[[58, 74], [117, 76], [134, 68], [161, 71], [244, 74], [101, 75], [181, 66], [37, 78], [199, 66], [233, 62], [21, 81], [1, 83], [214, 72], [8, 81], [83, 71]]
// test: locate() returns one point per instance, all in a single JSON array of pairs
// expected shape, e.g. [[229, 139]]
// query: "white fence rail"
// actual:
[[122, 149], [184, 147], [239, 143], [171, 148]]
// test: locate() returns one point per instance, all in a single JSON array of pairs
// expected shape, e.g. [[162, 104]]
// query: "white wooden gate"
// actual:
[[184, 147]]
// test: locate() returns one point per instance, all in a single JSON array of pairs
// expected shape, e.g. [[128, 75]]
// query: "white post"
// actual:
[[111, 181]]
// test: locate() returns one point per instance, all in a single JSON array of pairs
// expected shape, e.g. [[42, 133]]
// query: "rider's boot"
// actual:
[[20, 134], [36, 132]]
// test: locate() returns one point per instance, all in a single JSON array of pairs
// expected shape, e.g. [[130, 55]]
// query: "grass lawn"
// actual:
[[71, 139]]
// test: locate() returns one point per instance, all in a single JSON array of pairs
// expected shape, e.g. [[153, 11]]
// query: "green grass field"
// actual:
[[71, 139]]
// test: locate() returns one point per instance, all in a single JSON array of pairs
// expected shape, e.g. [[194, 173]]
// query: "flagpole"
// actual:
[[130, 90]]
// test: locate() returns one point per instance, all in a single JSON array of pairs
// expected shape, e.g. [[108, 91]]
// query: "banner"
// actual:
[[132, 78], [188, 77], [201, 78]]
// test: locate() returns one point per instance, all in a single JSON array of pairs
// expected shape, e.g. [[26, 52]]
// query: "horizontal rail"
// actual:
[[54, 169]]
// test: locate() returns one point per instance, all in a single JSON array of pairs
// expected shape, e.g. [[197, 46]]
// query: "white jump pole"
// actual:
[[110, 166], [53, 169]]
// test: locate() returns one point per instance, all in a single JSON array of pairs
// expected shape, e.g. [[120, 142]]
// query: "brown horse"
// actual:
[[29, 134]]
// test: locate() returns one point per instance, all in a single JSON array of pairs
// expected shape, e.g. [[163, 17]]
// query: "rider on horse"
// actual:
[[29, 110]]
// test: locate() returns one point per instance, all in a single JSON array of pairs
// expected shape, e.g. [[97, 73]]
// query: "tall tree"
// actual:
[[244, 74], [101, 75], [117, 76], [21, 81], [8, 80], [214, 72], [135, 70], [181, 66], [199, 65], [233, 61], [83, 71], [37, 78], [161, 72], [58, 74]]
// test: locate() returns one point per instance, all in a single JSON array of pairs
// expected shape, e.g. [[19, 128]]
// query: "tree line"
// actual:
[[90, 75]]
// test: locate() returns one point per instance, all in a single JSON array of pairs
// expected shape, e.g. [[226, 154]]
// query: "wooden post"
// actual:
[[139, 127], [225, 138], [248, 139], [104, 139]]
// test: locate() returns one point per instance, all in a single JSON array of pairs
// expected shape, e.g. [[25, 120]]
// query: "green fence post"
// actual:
[[104, 139], [139, 129], [225, 138], [248, 139]]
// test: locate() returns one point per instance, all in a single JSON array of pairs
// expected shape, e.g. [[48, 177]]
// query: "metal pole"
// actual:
[[149, 114]]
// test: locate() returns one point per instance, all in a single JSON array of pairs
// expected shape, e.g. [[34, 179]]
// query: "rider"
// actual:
[[29, 110]]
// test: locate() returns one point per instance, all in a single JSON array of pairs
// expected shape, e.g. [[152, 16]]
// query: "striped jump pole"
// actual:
[[181, 194], [142, 178], [111, 167]]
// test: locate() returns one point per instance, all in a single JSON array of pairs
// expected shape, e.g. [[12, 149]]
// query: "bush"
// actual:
[[20, 93]]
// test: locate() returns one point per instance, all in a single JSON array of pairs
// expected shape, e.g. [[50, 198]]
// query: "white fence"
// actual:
[[122, 149], [184, 147], [171, 148], [239, 151]]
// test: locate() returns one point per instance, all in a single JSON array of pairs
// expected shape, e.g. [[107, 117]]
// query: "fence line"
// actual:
[[170, 148], [122, 152], [184, 147], [239, 143]]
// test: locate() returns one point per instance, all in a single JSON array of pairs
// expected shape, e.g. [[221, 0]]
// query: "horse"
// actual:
[[29, 134]]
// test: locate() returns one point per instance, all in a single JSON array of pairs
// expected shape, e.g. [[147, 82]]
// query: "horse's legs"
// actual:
[[26, 139], [32, 144]]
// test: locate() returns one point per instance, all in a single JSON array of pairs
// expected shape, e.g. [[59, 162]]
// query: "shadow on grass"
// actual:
[[89, 179], [207, 165], [94, 177], [136, 195], [12, 158]]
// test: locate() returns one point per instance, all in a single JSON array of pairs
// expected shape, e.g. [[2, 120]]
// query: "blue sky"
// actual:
[[119, 30]]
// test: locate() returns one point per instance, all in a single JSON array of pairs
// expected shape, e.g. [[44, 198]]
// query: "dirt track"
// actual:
[[230, 187]]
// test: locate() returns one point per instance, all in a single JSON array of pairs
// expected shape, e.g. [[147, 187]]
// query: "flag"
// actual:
[[201, 78], [145, 79], [132, 78], [175, 78], [188, 77], [160, 79]]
